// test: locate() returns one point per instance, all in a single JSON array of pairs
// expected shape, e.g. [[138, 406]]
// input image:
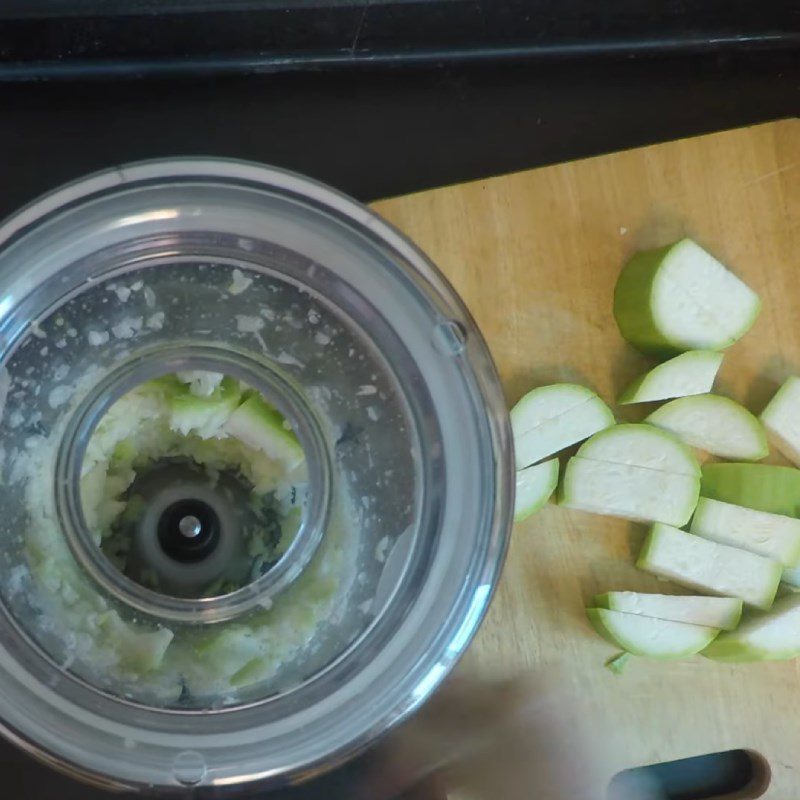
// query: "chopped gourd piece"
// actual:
[[710, 567]]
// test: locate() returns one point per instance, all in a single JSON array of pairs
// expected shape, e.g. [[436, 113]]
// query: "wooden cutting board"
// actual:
[[535, 256]]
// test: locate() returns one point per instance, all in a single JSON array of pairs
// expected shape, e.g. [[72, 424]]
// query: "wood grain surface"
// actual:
[[535, 256]]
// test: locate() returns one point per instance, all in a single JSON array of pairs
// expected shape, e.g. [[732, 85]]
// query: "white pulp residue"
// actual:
[[366, 390], [59, 395], [381, 548], [240, 282], [248, 324], [321, 395], [18, 468], [96, 338], [16, 579], [253, 325], [61, 372], [288, 358], [127, 327], [201, 382], [156, 321], [149, 297], [322, 338], [366, 606]]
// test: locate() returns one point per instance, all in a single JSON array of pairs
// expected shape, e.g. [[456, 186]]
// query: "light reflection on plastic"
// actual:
[[149, 216], [476, 608], [429, 682], [243, 779], [5, 305]]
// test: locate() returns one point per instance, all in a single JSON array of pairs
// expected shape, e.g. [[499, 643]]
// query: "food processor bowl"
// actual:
[[344, 327]]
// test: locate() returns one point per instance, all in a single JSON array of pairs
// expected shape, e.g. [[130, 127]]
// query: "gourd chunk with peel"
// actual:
[[714, 612], [641, 446], [551, 418], [260, 426], [203, 414], [687, 374], [629, 491], [636, 472], [535, 485], [771, 535], [679, 298], [761, 486], [715, 424], [138, 649], [773, 636], [781, 418], [654, 638], [710, 567], [791, 577]]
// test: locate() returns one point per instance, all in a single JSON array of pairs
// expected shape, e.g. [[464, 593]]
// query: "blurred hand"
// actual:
[[510, 740]]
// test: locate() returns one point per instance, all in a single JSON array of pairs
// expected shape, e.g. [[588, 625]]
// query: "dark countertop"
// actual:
[[387, 131]]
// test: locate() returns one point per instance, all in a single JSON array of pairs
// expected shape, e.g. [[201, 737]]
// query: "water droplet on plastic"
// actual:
[[189, 768], [450, 337]]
